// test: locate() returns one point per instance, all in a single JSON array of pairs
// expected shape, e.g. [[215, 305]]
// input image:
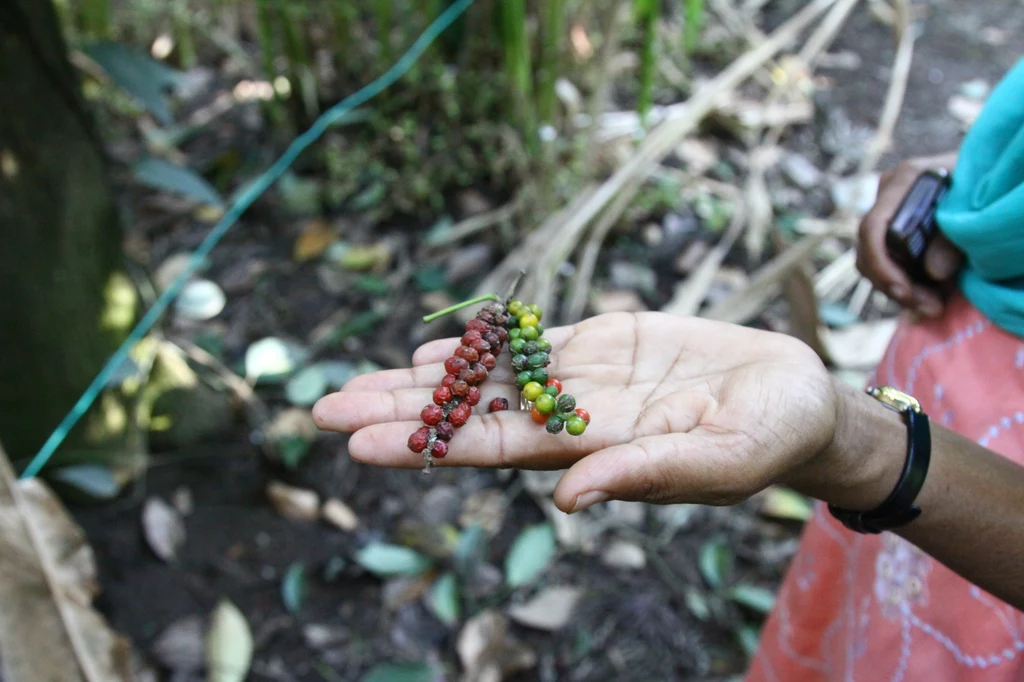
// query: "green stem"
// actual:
[[459, 306]]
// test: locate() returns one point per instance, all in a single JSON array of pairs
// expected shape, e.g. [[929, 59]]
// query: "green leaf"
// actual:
[[373, 285], [229, 645], [142, 77], [370, 197], [470, 549], [302, 196], [94, 480], [291, 450], [444, 599], [836, 315], [385, 561], [165, 176], [439, 231], [400, 672], [697, 604], [431, 278], [748, 637], [272, 359], [531, 553], [333, 568], [716, 562], [200, 299], [293, 587], [307, 386], [784, 503], [753, 597]]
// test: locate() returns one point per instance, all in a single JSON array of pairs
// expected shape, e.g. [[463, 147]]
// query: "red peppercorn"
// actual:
[[432, 414], [538, 417], [460, 415], [480, 370], [473, 397], [488, 361], [486, 315], [477, 325], [469, 337], [502, 334], [492, 340], [440, 449], [418, 440], [556, 383], [497, 405], [468, 354], [444, 431], [583, 414], [448, 380], [442, 394], [460, 388], [481, 346], [454, 365], [468, 375]]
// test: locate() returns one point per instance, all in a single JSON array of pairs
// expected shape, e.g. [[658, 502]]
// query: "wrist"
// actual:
[[861, 465]]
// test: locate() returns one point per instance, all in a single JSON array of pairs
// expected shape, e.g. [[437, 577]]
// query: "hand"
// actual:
[[942, 259], [683, 410]]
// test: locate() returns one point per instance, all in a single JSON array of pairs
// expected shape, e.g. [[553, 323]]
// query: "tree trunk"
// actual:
[[64, 300]]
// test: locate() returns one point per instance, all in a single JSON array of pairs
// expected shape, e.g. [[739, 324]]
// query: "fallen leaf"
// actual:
[[294, 503], [965, 109], [339, 515], [289, 436], [784, 503], [624, 554], [48, 628], [386, 560], [182, 501], [855, 195], [163, 528], [484, 508], [530, 554], [359, 258], [180, 646], [229, 645], [163, 175], [487, 650], [313, 241], [272, 359], [443, 599], [170, 270], [200, 300], [550, 610], [404, 590], [318, 636], [293, 587], [95, 481]]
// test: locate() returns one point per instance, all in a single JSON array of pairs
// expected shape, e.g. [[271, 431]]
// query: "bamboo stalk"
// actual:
[[554, 30], [647, 17]]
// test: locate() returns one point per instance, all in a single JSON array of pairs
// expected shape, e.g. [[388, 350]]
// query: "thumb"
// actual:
[[697, 468], [942, 260]]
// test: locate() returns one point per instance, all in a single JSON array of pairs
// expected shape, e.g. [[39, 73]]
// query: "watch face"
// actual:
[[898, 400]]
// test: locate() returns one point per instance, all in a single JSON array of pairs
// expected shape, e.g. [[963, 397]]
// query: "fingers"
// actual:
[[440, 350], [348, 411], [499, 440], [697, 467], [942, 260]]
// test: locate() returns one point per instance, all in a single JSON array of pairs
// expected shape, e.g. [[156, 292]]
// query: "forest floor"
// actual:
[[646, 610]]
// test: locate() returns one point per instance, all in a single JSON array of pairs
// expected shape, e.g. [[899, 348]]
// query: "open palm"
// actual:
[[683, 410]]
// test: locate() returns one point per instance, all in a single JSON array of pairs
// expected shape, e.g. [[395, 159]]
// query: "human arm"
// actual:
[[942, 259], [689, 410]]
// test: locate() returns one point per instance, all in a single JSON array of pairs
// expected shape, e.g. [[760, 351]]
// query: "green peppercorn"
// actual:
[[540, 329], [515, 333], [535, 309], [517, 345], [524, 378], [538, 360], [551, 390], [531, 347], [532, 391], [530, 333], [520, 362], [543, 345], [575, 426], [545, 404], [516, 308], [541, 375], [566, 403]]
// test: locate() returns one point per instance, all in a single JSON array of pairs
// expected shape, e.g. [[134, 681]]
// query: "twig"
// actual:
[[478, 223]]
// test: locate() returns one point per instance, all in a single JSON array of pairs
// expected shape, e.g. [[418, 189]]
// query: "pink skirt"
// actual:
[[862, 608]]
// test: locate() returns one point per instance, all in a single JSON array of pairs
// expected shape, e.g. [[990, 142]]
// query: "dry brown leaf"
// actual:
[[803, 311], [294, 503], [180, 646], [48, 628], [339, 515], [859, 346], [624, 554], [488, 652], [316, 236]]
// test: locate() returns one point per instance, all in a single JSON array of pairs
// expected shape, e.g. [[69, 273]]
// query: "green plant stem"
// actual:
[[459, 306], [554, 28], [693, 15], [647, 15]]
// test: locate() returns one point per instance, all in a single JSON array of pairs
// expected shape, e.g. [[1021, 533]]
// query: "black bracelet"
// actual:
[[899, 508]]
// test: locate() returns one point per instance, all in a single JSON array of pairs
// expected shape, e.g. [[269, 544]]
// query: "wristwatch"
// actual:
[[899, 508]]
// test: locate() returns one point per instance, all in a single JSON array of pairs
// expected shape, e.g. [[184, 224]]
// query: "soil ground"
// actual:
[[632, 625]]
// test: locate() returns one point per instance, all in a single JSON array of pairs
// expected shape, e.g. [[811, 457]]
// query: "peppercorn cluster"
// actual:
[[485, 337]]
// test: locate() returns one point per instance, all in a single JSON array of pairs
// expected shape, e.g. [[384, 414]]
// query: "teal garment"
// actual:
[[983, 213]]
